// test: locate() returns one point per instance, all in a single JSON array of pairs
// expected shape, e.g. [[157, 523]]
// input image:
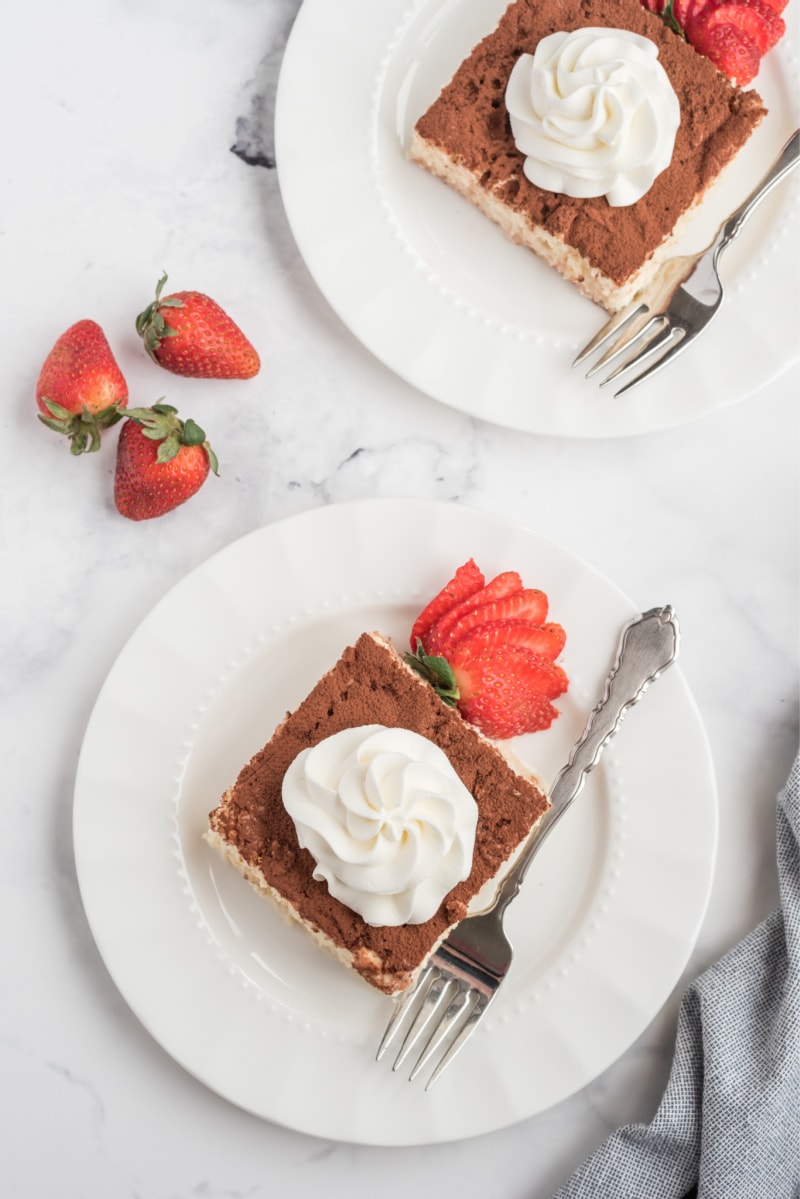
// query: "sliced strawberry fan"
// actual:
[[467, 580], [488, 649], [733, 34]]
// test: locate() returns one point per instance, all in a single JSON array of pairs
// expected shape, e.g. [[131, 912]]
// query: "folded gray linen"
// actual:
[[728, 1125]]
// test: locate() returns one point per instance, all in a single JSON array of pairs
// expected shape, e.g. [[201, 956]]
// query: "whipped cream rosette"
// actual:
[[386, 818], [594, 113]]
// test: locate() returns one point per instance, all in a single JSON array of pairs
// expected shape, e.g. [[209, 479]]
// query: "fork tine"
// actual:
[[452, 1031], [427, 1017], [640, 337], [670, 353], [662, 340], [411, 1002], [617, 322], [460, 1001]]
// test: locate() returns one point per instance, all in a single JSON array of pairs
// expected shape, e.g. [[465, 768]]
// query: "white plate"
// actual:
[[249, 1005], [433, 288]]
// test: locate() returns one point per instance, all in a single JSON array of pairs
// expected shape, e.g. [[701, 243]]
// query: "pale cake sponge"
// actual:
[[370, 684], [608, 252]]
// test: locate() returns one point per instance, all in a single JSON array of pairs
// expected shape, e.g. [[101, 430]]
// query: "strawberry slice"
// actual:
[[531, 715], [770, 17], [546, 640], [507, 690], [686, 10], [731, 50], [772, 23], [504, 668], [752, 18], [528, 604], [465, 582], [502, 585]]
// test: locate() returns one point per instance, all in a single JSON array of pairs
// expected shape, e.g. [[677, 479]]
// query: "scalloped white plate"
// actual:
[[434, 289], [248, 1004]]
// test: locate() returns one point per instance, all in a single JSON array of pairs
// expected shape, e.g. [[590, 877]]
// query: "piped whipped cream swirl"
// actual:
[[386, 818], [594, 113]]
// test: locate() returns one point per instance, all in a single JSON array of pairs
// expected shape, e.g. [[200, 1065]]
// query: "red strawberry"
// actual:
[[161, 462], [80, 389], [189, 334], [466, 581], [546, 640], [732, 51], [752, 18], [506, 690], [526, 604], [680, 11], [502, 587], [773, 25], [685, 11], [492, 655]]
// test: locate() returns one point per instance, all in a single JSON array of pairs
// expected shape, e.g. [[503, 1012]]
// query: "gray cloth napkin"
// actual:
[[729, 1121]]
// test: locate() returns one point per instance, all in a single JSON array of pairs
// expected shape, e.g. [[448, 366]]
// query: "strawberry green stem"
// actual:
[[83, 428], [161, 423], [151, 325], [437, 671]]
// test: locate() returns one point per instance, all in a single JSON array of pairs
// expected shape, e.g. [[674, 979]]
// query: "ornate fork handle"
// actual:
[[648, 645], [786, 160]]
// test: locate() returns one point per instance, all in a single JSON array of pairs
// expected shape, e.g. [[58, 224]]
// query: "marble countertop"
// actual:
[[139, 138]]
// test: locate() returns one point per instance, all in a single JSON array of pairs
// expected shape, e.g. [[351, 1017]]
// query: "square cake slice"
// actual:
[[608, 252], [370, 685]]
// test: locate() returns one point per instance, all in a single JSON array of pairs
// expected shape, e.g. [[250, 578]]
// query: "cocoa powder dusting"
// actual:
[[369, 685], [470, 123]]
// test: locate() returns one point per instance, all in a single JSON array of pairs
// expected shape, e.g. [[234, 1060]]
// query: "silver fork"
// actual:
[[683, 297], [463, 975]]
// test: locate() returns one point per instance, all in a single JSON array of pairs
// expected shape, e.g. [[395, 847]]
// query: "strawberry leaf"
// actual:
[[56, 425], [213, 461], [437, 671], [151, 325], [192, 433], [168, 449], [57, 410], [667, 15]]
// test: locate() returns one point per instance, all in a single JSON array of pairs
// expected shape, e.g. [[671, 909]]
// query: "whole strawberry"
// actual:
[[161, 462], [80, 389], [489, 650], [189, 334]]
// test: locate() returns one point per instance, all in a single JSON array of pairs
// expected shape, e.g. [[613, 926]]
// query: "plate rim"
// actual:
[[374, 513]]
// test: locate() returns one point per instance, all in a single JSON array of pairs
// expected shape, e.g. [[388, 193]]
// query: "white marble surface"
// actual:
[[119, 120]]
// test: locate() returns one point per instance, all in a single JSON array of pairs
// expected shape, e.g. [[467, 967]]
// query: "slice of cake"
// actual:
[[609, 250], [397, 871]]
